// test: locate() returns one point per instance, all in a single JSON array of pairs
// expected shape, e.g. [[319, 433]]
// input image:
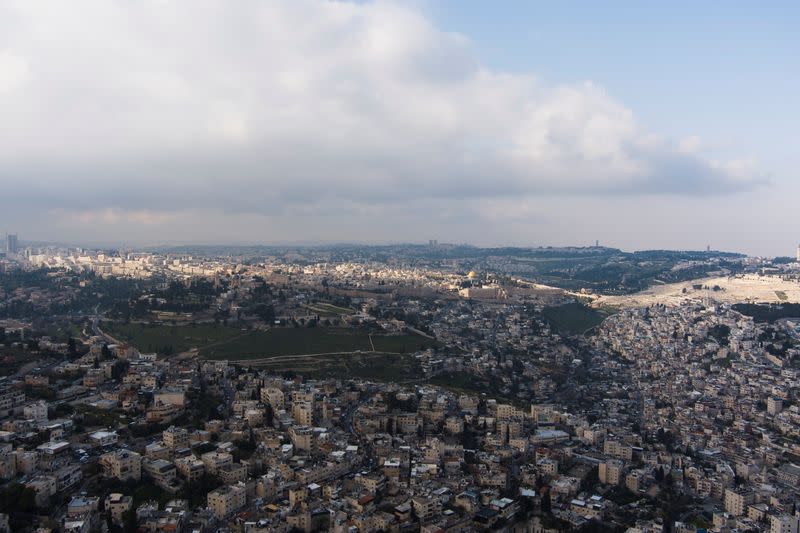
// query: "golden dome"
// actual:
[[472, 275]]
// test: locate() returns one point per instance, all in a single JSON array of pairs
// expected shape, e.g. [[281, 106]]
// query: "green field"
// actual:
[[365, 365], [326, 309], [574, 318], [216, 341], [166, 340], [299, 341]]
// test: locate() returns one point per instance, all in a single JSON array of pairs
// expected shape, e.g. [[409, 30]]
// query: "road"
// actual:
[[347, 419], [284, 358], [99, 332]]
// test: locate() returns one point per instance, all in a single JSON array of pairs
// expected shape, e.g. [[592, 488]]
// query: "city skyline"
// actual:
[[123, 246], [388, 122]]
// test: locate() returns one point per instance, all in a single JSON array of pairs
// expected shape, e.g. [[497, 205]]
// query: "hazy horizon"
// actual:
[[643, 127], [110, 245]]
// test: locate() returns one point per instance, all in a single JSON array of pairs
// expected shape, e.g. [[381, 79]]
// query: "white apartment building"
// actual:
[[116, 504], [175, 437], [736, 502], [610, 472], [227, 499], [122, 464], [216, 460], [784, 524]]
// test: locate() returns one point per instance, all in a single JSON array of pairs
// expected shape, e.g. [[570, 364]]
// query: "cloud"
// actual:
[[296, 107], [13, 72], [113, 217]]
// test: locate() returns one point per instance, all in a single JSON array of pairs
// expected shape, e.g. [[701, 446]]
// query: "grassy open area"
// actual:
[[373, 366], [216, 341], [166, 339], [297, 341], [326, 309], [574, 318]]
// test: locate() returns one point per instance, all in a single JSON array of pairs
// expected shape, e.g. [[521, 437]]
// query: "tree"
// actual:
[[119, 369], [9, 495], [129, 520], [590, 480], [547, 505], [27, 500], [71, 347], [265, 312]]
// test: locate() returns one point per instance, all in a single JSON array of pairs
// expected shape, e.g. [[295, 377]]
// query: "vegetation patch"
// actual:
[[720, 333], [369, 366], [326, 309], [574, 318], [216, 341], [302, 341], [473, 384], [768, 312], [167, 339]]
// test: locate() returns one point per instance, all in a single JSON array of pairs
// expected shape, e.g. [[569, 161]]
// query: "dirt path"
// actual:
[[297, 357]]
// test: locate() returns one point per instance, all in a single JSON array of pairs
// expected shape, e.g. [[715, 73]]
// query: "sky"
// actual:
[[640, 125]]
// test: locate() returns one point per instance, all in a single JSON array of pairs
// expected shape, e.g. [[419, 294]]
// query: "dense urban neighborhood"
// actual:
[[416, 388]]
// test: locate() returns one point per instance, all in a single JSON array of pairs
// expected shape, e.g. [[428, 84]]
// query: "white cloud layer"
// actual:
[[288, 107]]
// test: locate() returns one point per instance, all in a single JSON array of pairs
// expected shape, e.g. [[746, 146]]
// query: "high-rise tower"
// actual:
[[11, 243]]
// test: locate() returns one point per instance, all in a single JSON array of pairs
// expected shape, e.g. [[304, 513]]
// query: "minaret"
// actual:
[[798, 253]]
